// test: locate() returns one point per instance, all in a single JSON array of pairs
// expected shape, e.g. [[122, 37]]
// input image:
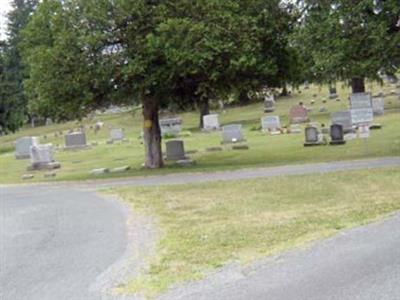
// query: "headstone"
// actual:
[[361, 108], [23, 147], [75, 140], [232, 134], [363, 131], [116, 134], [269, 103], [312, 137], [362, 115], [360, 100], [175, 150], [378, 106], [171, 126], [337, 135], [271, 123], [210, 122], [342, 118], [298, 114], [42, 157], [49, 122], [332, 93]]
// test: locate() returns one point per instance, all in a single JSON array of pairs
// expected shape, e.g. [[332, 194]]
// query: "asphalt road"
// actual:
[[65, 242], [360, 264], [55, 242]]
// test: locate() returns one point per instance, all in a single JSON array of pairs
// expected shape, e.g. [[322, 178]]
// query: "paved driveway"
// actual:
[[55, 242]]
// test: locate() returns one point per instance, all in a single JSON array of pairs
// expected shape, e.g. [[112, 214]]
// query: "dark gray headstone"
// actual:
[[337, 135], [75, 140], [175, 150]]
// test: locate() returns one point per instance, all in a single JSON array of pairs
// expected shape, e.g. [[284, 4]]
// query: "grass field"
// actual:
[[204, 226], [264, 150]]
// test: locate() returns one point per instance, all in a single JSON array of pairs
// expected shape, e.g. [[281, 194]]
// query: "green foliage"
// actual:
[[13, 103], [83, 55], [344, 39], [11, 114]]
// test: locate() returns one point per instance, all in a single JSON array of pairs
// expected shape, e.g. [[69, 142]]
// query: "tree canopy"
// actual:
[[350, 40], [85, 54]]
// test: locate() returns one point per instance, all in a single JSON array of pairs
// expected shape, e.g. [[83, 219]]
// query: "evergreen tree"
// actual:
[[350, 40], [18, 17]]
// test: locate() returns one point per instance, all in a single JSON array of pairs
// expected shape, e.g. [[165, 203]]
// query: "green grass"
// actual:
[[204, 226], [264, 150]]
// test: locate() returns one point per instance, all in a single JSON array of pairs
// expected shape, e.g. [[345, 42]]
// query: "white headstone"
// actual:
[[171, 126], [23, 147], [378, 106], [42, 154], [361, 108], [360, 100], [116, 134], [210, 122], [232, 133], [271, 123], [42, 157]]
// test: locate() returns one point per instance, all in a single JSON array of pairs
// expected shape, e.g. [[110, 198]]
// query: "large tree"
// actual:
[[350, 40], [18, 17], [84, 54], [11, 114]]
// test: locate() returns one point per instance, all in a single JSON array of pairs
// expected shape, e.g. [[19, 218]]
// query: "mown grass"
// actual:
[[264, 150], [205, 226]]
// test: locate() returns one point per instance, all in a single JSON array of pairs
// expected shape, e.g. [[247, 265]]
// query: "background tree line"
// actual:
[[63, 59]]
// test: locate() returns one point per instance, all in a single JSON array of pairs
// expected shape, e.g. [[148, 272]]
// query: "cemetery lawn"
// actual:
[[206, 226], [264, 150]]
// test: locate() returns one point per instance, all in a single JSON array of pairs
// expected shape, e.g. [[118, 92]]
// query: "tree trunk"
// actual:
[[243, 98], [357, 85], [151, 134], [204, 110], [284, 91]]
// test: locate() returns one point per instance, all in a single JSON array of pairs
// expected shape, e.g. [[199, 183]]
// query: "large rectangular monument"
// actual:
[[75, 140]]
